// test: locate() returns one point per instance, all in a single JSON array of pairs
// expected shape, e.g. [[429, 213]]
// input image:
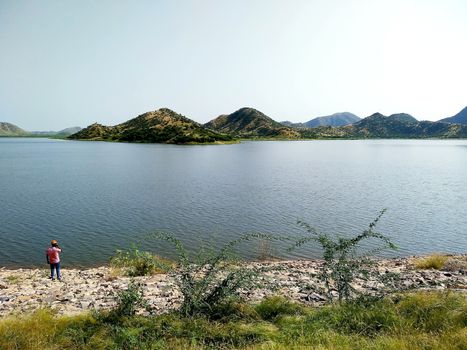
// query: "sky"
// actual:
[[72, 63]]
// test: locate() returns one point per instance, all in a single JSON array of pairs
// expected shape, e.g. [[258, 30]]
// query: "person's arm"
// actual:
[[47, 257]]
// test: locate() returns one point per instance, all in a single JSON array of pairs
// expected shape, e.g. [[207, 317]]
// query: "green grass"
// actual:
[[423, 320], [434, 261], [134, 262], [14, 279]]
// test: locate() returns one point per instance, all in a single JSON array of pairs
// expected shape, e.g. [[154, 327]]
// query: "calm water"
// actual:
[[95, 197]]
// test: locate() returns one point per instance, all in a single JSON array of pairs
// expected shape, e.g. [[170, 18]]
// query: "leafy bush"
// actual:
[[434, 261], [128, 301], [342, 263], [135, 262], [214, 279]]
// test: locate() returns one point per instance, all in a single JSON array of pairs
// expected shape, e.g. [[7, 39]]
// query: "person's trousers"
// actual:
[[54, 267]]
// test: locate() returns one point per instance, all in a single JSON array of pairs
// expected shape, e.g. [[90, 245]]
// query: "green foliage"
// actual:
[[355, 317], [135, 262], [343, 264], [434, 261], [434, 312], [128, 301], [161, 126], [414, 321], [212, 278], [273, 307]]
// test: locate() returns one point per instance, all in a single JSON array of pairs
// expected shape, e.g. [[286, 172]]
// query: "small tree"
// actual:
[[342, 261]]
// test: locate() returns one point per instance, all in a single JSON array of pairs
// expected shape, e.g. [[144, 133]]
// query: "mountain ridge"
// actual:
[[459, 118]]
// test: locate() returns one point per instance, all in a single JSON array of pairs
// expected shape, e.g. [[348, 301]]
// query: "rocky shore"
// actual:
[[24, 290]]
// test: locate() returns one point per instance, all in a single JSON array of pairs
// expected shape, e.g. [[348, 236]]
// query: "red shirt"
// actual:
[[53, 254]]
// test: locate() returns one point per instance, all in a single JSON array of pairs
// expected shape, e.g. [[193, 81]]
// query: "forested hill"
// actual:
[[251, 123], [160, 126]]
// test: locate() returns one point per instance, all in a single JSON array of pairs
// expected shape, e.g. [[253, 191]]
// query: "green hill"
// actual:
[[251, 123], [161, 126]]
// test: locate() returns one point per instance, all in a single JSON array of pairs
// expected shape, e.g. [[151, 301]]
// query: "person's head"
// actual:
[[54, 243]]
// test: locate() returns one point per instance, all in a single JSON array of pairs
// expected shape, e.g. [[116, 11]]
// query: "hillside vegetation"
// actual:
[[160, 126], [394, 126], [251, 123]]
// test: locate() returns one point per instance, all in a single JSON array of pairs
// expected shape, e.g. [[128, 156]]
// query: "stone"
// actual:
[[86, 289]]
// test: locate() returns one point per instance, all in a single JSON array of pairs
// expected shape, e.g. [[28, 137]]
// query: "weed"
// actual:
[[13, 279], [214, 279], [265, 251], [434, 261], [342, 264], [271, 308], [129, 301], [135, 262], [415, 321]]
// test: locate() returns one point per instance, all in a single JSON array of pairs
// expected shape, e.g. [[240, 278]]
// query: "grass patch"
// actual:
[[13, 279], [434, 261], [134, 262], [274, 307], [422, 320]]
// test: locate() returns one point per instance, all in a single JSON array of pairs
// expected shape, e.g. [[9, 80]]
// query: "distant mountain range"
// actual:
[[64, 132], [402, 126], [161, 126], [250, 123], [459, 118], [336, 119], [8, 129], [167, 126]]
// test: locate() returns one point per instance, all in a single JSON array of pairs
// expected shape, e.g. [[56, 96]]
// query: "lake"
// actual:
[[96, 197]]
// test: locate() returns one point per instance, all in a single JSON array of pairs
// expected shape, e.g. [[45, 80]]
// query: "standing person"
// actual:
[[53, 258]]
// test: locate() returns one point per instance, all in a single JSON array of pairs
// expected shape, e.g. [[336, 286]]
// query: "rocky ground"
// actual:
[[80, 290]]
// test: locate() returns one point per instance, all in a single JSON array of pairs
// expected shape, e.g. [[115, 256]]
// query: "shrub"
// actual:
[[135, 262], [214, 279], [128, 301], [342, 264], [434, 261]]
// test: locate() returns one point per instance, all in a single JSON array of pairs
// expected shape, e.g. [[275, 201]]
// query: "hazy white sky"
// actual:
[[65, 63]]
